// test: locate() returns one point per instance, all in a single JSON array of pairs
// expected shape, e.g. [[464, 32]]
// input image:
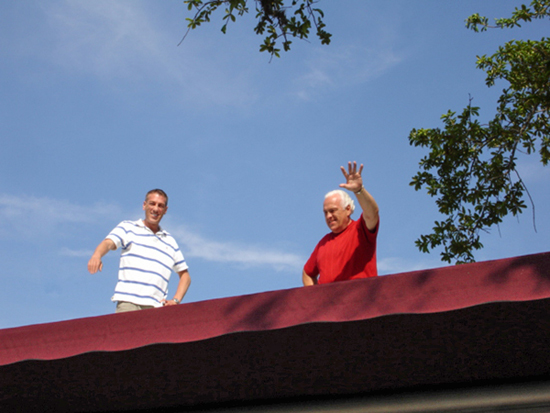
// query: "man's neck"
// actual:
[[346, 227], [152, 227]]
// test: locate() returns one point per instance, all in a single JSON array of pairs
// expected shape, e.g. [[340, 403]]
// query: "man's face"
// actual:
[[155, 207], [337, 218]]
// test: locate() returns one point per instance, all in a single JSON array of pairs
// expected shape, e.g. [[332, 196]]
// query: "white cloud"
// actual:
[[121, 41], [345, 67], [41, 213], [37, 219], [228, 252], [395, 265], [105, 38], [67, 252]]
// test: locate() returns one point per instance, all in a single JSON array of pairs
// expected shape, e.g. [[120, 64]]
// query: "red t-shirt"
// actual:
[[345, 256]]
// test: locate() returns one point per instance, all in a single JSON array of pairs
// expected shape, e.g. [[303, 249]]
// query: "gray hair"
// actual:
[[345, 199]]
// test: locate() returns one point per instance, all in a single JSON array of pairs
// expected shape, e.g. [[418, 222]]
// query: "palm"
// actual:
[[354, 181]]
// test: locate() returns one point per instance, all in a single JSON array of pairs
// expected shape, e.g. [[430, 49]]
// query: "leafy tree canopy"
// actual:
[[276, 21], [471, 167]]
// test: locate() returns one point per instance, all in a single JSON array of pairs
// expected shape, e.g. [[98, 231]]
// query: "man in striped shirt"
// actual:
[[148, 256]]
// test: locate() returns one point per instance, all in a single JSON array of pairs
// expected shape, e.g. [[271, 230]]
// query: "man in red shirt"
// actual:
[[349, 250]]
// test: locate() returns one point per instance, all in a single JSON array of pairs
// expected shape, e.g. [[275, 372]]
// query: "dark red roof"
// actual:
[[458, 325]]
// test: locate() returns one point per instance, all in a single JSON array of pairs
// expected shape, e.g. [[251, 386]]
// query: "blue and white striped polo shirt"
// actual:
[[146, 263]]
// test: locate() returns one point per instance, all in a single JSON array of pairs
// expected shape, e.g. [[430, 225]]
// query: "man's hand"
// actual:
[[183, 286], [354, 181], [95, 264]]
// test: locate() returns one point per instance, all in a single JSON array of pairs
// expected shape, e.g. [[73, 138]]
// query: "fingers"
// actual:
[[352, 169], [344, 172], [94, 267]]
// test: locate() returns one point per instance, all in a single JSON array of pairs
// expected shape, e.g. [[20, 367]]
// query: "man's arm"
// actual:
[[307, 280], [369, 207], [95, 264], [183, 286], [354, 183]]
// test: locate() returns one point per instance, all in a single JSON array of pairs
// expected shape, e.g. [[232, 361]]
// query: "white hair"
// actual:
[[345, 199]]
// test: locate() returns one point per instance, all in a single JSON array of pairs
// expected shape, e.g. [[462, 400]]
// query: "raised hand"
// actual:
[[354, 181]]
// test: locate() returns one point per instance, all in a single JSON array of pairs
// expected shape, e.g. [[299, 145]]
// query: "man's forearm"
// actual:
[[104, 247], [369, 207], [183, 285], [95, 264]]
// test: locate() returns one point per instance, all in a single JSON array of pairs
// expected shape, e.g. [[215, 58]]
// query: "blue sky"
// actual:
[[99, 104]]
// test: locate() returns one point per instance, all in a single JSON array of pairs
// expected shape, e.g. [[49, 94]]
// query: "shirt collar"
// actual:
[[159, 232]]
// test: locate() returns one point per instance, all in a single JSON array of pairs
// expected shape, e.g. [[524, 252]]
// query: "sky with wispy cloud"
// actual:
[[99, 104]]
